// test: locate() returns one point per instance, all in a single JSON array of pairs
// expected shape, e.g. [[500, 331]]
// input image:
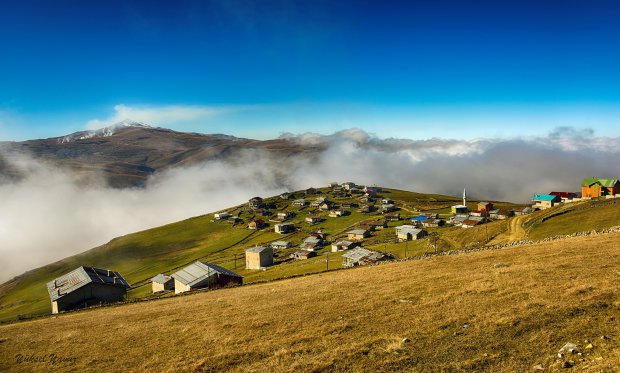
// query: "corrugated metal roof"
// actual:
[[82, 276], [544, 197], [343, 243], [363, 256], [198, 271], [358, 232], [257, 249], [408, 229], [161, 278], [608, 183]]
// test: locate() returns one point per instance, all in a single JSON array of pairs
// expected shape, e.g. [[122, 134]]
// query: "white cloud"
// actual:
[[64, 216], [168, 115]]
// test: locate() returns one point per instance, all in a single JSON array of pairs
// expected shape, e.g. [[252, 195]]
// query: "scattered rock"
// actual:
[[406, 340], [589, 347], [500, 265], [465, 326], [604, 337], [538, 367], [568, 364], [568, 348]]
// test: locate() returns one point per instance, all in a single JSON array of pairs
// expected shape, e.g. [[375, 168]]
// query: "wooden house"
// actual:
[[284, 215], [433, 223], [592, 188], [300, 202], [312, 243], [485, 207], [199, 275], [311, 191], [284, 228], [343, 245], [256, 203], [500, 214], [358, 234], [256, 224], [392, 217], [303, 254], [86, 286], [313, 219]]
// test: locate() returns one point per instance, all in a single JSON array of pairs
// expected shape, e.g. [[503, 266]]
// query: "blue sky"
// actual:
[[414, 69]]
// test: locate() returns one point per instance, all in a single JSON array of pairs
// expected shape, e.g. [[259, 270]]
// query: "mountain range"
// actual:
[[128, 152]]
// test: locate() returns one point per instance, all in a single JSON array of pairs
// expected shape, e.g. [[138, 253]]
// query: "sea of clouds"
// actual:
[[51, 212]]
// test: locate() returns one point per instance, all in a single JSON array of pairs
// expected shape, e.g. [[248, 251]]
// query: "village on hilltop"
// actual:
[[87, 286]]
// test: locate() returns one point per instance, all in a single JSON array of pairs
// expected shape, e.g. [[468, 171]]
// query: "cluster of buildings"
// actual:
[[590, 188], [88, 286]]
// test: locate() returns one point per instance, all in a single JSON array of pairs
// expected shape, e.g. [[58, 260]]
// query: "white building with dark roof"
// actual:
[[162, 282], [199, 275], [86, 286]]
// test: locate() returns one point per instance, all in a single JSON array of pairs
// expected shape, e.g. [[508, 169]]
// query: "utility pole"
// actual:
[[327, 261], [434, 237], [406, 247], [486, 222], [235, 261]]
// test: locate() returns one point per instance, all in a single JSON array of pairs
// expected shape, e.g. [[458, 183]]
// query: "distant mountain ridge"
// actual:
[[103, 132], [128, 152]]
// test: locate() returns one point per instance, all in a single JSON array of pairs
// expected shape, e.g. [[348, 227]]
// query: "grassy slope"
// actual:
[[141, 255], [577, 217], [457, 312]]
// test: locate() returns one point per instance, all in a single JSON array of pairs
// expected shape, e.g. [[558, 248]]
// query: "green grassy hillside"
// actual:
[[140, 256], [573, 217]]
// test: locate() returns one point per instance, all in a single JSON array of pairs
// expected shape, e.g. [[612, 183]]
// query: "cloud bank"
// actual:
[[52, 213], [164, 115]]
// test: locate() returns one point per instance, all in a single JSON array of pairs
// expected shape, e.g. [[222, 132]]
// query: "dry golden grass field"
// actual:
[[502, 310]]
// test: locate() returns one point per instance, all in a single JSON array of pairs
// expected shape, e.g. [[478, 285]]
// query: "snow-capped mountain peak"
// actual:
[[103, 132]]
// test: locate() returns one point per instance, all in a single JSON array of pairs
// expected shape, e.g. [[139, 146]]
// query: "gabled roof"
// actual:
[[544, 197], [563, 194], [161, 278], [408, 229], [358, 231], [363, 255], [312, 240], [257, 249], [197, 272], [82, 276], [471, 222], [607, 183], [343, 243]]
